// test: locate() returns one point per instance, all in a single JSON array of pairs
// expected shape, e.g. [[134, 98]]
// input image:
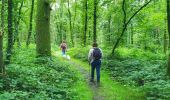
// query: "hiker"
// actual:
[[94, 58], [63, 47]]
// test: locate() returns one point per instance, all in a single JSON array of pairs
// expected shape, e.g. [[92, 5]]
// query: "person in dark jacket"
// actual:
[[94, 58]]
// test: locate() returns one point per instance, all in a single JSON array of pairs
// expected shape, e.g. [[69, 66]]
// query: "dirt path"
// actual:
[[86, 75], [109, 89]]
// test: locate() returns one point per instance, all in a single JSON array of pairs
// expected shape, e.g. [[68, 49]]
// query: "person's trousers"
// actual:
[[63, 52], [95, 65]]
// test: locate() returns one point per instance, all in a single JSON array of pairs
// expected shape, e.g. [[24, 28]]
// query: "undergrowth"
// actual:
[[47, 78], [134, 67]]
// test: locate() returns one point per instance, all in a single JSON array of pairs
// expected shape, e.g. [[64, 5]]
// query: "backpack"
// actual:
[[97, 54]]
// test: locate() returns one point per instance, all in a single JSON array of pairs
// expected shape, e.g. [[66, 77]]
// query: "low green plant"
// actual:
[[135, 67], [34, 78]]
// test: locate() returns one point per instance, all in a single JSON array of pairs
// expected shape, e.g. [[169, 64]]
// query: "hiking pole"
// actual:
[[89, 69]]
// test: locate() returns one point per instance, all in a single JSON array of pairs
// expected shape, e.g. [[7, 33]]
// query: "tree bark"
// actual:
[[165, 38], [95, 21], [70, 23], [75, 13], [109, 28], [131, 39], [43, 45], [85, 22], [2, 67], [30, 25], [10, 32], [74, 19], [61, 23], [168, 19], [17, 22]]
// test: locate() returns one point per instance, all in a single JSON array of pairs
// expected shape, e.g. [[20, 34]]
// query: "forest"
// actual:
[[134, 36]]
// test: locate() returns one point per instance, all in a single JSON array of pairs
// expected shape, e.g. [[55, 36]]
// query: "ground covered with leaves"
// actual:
[[136, 68]]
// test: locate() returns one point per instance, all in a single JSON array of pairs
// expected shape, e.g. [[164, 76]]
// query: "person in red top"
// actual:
[[63, 47]]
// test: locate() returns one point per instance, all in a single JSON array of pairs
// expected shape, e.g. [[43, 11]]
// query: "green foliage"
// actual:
[[139, 54], [34, 78], [137, 68], [79, 53]]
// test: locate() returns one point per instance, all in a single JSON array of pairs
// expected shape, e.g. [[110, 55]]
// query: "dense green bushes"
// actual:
[[37, 78], [135, 67]]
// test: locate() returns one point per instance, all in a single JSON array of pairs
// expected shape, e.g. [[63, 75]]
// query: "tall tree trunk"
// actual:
[[95, 21], [70, 23], [30, 25], [165, 38], [43, 45], [10, 32], [61, 23], [2, 68], [131, 39], [85, 22], [17, 22], [74, 29], [109, 28], [75, 13], [168, 18]]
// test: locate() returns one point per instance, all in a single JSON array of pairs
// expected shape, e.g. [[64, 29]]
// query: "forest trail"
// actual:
[[92, 86], [109, 90]]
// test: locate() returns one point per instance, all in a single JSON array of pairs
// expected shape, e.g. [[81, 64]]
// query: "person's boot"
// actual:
[[91, 80], [98, 84]]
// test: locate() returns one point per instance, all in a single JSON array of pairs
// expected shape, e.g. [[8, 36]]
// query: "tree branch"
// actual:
[[126, 23]]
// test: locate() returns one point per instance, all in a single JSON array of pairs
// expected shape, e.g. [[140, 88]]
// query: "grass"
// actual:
[[139, 70], [31, 78], [81, 86], [112, 90]]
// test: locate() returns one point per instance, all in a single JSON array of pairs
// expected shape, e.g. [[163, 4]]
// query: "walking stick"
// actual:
[[89, 69]]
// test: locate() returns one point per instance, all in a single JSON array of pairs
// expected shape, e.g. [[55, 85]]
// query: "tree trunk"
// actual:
[[16, 23], [168, 19], [2, 68], [30, 25], [70, 23], [85, 22], [10, 32], [165, 38], [131, 39], [74, 29], [43, 45], [75, 13], [109, 28], [95, 21], [61, 23]]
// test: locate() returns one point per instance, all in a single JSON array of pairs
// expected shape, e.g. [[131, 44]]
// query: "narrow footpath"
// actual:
[[109, 89]]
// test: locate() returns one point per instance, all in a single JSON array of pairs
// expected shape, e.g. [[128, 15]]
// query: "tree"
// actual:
[[17, 22], [94, 21], [85, 22], [10, 32], [43, 46], [168, 19], [126, 22], [2, 68], [30, 24], [165, 38], [70, 23], [74, 21]]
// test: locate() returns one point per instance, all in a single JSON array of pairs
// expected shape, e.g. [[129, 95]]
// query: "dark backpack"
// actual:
[[97, 54]]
